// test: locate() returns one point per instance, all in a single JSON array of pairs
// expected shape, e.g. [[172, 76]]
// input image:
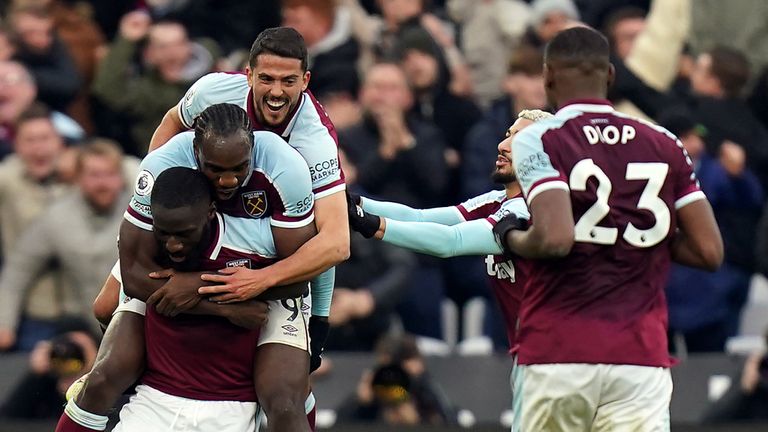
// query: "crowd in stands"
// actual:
[[420, 92]]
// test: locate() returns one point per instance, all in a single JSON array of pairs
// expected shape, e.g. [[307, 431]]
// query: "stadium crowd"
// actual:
[[420, 92]]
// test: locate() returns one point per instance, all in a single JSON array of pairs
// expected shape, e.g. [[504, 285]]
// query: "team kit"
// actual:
[[240, 213]]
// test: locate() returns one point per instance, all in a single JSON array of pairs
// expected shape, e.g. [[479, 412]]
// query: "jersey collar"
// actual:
[[587, 105], [217, 237]]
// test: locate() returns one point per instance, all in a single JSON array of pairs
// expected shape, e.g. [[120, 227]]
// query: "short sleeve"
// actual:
[[481, 206], [209, 90], [515, 206], [533, 165], [686, 185], [314, 136], [177, 152], [293, 203]]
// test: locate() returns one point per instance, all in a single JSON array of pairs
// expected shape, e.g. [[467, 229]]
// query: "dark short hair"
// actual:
[[619, 15], [579, 47], [103, 147], [36, 111], [222, 120], [526, 60], [731, 68], [282, 42], [179, 187]]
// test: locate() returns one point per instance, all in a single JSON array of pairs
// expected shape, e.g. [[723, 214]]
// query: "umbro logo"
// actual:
[[290, 328]]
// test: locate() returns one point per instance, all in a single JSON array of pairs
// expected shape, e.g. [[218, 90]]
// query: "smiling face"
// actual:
[[277, 83], [504, 172]]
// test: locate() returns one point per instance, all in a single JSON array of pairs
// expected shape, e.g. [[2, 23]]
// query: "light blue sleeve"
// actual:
[[314, 137], [401, 212], [474, 237], [532, 163], [177, 152], [468, 238], [322, 291], [211, 89]]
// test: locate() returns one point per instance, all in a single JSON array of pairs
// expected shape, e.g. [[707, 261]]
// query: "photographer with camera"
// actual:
[[53, 366]]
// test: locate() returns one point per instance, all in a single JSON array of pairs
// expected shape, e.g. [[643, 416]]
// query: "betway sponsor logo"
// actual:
[[503, 270]]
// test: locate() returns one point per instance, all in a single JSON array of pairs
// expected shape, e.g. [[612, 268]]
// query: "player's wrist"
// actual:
[[382, 228]]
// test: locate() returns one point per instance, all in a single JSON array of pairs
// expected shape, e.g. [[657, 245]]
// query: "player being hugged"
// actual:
[[256, 178], [593, 345], [273, 92]]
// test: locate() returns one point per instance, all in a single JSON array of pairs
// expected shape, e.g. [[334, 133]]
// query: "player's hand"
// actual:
[[135, 25], [505, 225], [7, 338], [318, 333], [249, 314], [353, 197], [236, 284], [178, 295], [359, 220]]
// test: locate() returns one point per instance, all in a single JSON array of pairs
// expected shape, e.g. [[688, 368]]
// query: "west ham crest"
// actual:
[[255, 203]]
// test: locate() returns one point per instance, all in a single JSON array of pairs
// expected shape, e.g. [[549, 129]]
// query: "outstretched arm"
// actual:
[[468, 238], [401, 212]]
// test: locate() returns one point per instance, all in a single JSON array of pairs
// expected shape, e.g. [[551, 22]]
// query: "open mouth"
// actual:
[[178, 258], [276, 105], [501, 161], [226, 193]]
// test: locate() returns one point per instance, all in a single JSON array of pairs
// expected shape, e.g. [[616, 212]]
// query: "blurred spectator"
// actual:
[[84, 41], [378, 37], [233, 24], [171, 63], [490, 31], [368, 286], [28, 184], [7, 44], [17, 95], [40, 49], [391, 147], [717, 82], [746, 400], [548, 18], [333, 53], [596, 13], [524, 89], [739, 25], [705, 307], [428, 79], [398, 391], [399, 157], [622, 27], [646, 53], [53, 366], [94, 213]]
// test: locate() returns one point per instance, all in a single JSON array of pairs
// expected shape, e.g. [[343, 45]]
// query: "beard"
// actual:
[[502, 178]]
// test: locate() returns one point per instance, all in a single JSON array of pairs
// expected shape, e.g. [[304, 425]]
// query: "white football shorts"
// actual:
[[576, 397], [152, 410]]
